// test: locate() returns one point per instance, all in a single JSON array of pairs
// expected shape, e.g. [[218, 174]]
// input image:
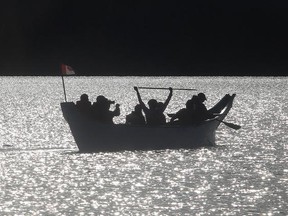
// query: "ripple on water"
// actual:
[[41, 172]]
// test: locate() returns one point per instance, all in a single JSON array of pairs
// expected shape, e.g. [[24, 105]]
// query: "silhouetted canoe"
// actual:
[[91, 136]]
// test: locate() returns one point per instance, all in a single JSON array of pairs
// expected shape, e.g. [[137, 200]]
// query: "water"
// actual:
[[41, 172]]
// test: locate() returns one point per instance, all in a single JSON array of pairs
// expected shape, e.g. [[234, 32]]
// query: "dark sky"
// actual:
[[201, 37]]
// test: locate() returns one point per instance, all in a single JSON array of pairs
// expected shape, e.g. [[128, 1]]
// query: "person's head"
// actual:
[[138, 108], [202, 97], [84, 97], [103, 101], [152, 104]]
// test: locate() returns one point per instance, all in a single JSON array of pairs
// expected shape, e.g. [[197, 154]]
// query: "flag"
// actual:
[[67, 70]]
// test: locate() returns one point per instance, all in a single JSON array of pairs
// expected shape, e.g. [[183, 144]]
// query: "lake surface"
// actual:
[[41, 172]]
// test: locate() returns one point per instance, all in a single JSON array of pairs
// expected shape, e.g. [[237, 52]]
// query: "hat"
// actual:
[[202, 96], [102, 99]]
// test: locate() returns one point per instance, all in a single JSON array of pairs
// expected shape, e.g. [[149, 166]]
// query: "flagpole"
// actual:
[[66, 70], [64, 88]]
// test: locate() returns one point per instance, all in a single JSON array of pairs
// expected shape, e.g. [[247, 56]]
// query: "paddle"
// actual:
[[231, 125], [167, 88]]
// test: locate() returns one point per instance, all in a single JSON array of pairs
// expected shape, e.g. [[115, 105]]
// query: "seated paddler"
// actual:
[[101, 110], [154, 113], [201, 112], [136, 117], [194, 113], [84, 105], [185, 115]]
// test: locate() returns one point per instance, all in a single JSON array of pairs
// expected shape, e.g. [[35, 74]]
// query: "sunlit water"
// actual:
[[41, 172]]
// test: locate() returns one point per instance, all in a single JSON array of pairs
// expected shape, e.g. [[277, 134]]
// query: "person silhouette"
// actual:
[[185, 115], [201, 112], [154, 113], [84, 105], [194, 113], [101, 110], [136, 117]]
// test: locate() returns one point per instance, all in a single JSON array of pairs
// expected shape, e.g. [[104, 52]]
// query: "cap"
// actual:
[[202, 96], [102, 99]]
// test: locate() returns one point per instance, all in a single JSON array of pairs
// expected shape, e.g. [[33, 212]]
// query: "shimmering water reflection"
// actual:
[[41, 172], [203, 181]]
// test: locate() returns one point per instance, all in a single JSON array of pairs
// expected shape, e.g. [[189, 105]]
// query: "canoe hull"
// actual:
[[91, 136]]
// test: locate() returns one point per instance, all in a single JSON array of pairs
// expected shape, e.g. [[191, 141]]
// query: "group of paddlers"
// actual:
[[194, 112]]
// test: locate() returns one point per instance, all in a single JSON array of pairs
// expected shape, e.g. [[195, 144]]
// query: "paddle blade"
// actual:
[[231, 125]]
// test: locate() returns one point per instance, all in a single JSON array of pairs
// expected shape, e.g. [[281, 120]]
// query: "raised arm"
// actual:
[[140, 100], [168, 99]]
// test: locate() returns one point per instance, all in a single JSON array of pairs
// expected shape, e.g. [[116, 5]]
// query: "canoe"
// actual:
[[91, 136]]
